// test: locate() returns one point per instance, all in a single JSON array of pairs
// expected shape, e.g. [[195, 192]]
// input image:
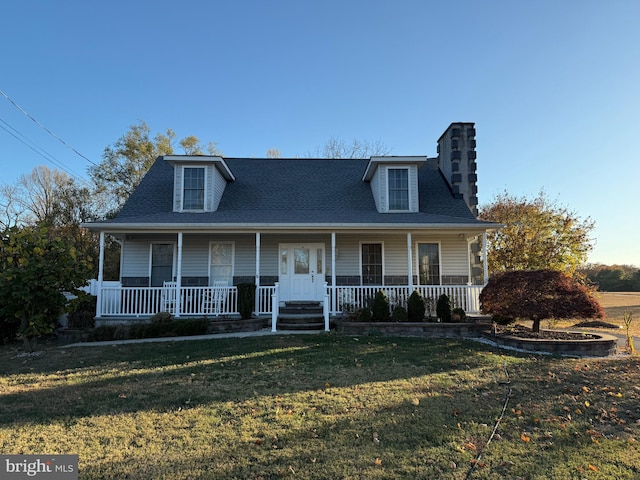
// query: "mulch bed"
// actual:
[[525, 332]]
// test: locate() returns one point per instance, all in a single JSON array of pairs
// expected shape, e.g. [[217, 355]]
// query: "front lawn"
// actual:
[[322, 406]]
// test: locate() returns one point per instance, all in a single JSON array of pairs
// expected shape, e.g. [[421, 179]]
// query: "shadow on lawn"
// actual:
[[542, 435], [172, 376]]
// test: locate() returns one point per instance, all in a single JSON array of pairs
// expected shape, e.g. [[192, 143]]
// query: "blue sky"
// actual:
[[553, 86]]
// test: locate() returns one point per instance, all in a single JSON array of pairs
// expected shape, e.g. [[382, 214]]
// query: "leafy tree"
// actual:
[[538, 234], [613, 278], [36, 267], [126, 161], [537, 295]]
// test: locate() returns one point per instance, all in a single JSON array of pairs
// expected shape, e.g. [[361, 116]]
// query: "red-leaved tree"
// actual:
[[537, 295]]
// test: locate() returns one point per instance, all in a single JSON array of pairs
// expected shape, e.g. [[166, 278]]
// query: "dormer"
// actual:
[[198, 182], [394, 183]]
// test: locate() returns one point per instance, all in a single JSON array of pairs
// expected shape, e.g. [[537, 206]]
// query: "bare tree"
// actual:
[[336, 147], [274, 153], [10, 211]]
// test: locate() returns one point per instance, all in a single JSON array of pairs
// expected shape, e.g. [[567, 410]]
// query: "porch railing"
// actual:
[[118, 301], [350, 298]]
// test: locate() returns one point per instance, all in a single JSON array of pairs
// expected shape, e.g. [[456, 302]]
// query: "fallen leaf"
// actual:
[[593, 468], [471, 446], [586, 403], [525, 438], [378, 462]]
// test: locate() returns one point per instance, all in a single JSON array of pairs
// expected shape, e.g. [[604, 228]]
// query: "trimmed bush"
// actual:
[[362, 315], [380, 307], [443, 308], [416, 307], [458, 315], [399, 314], [82, 311], [246, 299], [161, 317], [156, 329]]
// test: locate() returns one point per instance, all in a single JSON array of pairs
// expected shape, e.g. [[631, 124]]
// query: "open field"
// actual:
[[322, 406], [614, 304]]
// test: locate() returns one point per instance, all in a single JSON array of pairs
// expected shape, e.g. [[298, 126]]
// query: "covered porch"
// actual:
[[332, 273]]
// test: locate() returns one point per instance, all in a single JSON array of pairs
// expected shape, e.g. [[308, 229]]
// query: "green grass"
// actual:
[[325, 407]]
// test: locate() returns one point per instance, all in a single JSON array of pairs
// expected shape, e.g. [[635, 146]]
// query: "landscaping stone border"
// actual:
[[414, 329], [602, 346]]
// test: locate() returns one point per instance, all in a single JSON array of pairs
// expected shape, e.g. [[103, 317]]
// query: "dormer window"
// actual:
[[198, 182], [394, 183], [193, 188], [398, 185]]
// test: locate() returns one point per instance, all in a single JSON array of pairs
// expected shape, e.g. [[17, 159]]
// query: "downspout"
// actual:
[[334, 306], [409, 264], [100, 277], [257, 280], [484, 258], [179, 277]]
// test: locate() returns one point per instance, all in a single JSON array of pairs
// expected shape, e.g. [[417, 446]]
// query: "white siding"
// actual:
[[209, 172], [195, 256], [177, 189], [135, 259], [379, 192], [218, 184], [413, 189], [195, 253], [454, 256]]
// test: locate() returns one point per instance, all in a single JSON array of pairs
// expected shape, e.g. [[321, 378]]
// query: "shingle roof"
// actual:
[[294, 191]]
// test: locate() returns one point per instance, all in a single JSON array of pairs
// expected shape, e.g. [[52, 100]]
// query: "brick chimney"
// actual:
[[457, 161]]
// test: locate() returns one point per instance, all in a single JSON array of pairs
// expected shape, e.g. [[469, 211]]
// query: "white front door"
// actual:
[[302, 271]]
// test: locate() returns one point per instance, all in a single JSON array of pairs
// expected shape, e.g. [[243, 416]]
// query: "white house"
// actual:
[[332, 231]]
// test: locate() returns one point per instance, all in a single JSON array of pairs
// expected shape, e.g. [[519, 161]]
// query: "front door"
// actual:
[[302, 271]]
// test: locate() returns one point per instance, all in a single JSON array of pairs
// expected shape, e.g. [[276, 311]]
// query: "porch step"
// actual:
[[301, 315]]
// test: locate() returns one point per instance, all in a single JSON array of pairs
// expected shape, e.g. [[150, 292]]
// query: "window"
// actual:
[[429, 263], [221, 268], [372, 264], [193, 193], [398, 188], [161, 264]]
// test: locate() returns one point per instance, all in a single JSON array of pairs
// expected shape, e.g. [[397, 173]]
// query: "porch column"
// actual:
[[257, 281], [469, 262], [100, 277], [484, 258], [179, 277], [409, 263], [334, 307]]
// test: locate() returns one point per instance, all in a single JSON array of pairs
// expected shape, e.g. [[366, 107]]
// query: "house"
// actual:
[[331, 231]]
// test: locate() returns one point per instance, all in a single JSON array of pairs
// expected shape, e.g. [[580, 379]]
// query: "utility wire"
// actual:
[[40, 151], [46, 129]]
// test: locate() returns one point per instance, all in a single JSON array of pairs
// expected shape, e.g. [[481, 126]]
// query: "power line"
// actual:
[[40, 151], [46, 129]]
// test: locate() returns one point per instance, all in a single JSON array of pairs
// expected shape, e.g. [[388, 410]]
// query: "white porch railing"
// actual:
[[350, 298], [263, 299], [117, 301]]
